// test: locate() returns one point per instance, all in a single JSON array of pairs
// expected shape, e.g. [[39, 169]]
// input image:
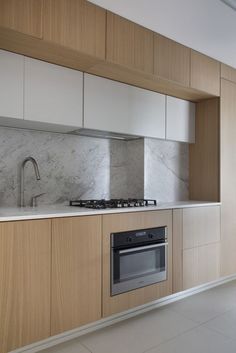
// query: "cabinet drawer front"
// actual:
[[201, 226], [121, 108], [201, 265]]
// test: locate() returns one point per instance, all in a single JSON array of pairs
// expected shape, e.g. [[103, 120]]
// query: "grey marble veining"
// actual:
[[83, 167], [166, 170]]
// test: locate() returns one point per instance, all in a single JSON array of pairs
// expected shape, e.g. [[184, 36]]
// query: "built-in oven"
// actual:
[[138, 258]]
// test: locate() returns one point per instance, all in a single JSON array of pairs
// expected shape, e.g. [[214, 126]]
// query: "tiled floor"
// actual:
[[203, 323]]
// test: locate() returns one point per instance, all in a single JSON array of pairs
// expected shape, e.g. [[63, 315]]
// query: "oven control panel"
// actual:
[[139, 236]]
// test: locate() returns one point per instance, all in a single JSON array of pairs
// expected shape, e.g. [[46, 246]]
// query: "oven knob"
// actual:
[[150, 236], [129, 239]]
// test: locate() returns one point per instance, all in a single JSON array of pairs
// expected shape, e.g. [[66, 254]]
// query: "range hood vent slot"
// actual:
[[104, 134]]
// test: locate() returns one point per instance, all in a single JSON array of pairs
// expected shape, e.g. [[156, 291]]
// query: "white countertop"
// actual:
[[18, 214]]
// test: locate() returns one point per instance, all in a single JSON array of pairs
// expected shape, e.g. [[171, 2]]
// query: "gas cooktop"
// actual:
[[113, 203]]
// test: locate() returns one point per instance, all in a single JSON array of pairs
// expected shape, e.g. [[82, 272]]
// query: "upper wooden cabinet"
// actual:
[[76, 272], [22, 15], [76, 24], [205, 73], [129, 44], [25, 267], [171, 60], [228, 73]]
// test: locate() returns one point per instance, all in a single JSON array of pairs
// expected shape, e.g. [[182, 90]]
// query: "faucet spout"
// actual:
[[22, 177]]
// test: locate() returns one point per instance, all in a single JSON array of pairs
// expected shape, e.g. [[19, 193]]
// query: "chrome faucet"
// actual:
[[22, 177]]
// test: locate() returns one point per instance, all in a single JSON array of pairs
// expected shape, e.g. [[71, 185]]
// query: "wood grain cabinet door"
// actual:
[[171, 60], [228, 172], [129, 44], [22, 15], [76, 272], [76, 24], [205, 73], [25, 251]]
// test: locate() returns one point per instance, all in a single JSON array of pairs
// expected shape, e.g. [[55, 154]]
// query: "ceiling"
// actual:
[[208, 26]]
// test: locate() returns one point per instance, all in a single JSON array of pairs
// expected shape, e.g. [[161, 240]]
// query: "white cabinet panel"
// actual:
[[11, 85], [180, 120], [53, 94], [121, 108]]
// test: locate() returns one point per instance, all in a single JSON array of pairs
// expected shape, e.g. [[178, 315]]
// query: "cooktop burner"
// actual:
[[113, 203]]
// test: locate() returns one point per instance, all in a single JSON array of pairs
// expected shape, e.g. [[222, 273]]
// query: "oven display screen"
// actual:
[[140, 234]]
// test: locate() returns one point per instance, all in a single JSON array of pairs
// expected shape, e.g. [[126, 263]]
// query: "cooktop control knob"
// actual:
[[129, 239], [150, 236]]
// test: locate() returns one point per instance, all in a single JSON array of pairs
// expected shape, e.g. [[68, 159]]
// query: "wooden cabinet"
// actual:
[[228, 73], [196, 246], [25, 250], [205, 73], [76, 272], [76, 24], [129, 44], [130, 221], [120, 108], [22, 15], [53, 95], [171, 60], [228, 172], [180, 120], [11, 86], [204, 154]]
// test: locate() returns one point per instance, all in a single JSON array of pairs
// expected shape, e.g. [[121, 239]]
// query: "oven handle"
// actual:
[[142, 248]]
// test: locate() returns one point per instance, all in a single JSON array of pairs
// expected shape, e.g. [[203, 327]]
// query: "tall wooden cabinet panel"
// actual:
[[129, 44], [22, 15], [25, 250], [171, 60], [205, 73], [228, 172], [76, 24], [130, 221], [76, 272]]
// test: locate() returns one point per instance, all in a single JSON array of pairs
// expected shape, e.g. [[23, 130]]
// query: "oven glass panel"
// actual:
[[140, 263]]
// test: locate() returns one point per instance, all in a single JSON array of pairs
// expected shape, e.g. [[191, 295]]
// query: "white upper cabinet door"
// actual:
[[53, 94], [11, 85], [121, 108], [180, 120]]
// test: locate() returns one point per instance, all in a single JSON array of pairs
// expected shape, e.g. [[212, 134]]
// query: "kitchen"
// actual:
[[116, 205]]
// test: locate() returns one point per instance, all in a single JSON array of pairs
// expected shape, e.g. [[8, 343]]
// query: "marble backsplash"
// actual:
[[84, 167]]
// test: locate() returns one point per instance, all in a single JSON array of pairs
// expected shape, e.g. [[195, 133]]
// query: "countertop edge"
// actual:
[[63, 211]]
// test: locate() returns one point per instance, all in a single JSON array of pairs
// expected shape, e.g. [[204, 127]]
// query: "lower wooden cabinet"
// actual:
[[76, 272], [196, 246], [132, 221], [25, 250]]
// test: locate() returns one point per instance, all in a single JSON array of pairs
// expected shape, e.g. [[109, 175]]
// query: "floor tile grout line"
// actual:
[[82, 344]]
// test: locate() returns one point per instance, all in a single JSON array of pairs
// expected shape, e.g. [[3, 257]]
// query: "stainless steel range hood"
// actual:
[[104, 134]]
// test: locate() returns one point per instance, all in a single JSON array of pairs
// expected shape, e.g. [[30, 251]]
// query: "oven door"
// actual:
[[138, 267]]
